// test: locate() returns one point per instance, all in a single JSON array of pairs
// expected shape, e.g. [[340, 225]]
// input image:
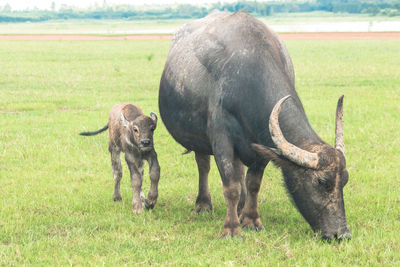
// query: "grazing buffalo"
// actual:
[[222, 93], [131, 132]]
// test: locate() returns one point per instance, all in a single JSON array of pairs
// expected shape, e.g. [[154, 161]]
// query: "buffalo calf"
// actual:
[[131, 132]]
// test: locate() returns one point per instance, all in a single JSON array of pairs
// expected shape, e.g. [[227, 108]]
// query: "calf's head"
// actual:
[[140, 130], [314, 177]]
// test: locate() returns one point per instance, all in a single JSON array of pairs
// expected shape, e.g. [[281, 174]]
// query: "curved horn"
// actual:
[[339, 142], [291, 152]]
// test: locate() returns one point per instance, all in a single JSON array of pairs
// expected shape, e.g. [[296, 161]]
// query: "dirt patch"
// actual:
[[284, 36], [342, 36], [76, 37]]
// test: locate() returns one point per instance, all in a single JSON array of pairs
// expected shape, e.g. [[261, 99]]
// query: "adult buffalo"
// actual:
[[221, 93]]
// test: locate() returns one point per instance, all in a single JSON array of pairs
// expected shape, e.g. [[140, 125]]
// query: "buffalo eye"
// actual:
[[324, 184]]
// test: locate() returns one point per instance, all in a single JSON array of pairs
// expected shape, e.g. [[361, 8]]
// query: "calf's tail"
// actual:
[[96, 132]]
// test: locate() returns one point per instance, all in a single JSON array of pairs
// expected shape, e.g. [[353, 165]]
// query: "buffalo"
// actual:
[[131, 132], [228, 90]]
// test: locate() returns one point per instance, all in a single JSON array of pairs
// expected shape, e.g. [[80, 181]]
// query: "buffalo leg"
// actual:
[[136, 182], [250, 218], [203, 200], [241, 173], [117, 173], [154, 173], [229, 167]]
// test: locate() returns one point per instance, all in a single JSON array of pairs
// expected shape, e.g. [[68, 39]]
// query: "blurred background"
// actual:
[[121, 17]]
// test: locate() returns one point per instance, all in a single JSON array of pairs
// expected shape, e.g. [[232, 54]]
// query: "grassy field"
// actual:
[[56, 186], [90, 26]]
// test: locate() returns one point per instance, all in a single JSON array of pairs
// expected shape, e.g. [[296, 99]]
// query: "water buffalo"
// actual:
[[221, 93], [131, 132]]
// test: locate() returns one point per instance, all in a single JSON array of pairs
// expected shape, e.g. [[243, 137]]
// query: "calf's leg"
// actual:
[[154, 173], [117, 172], [136, 172], [203, 200]]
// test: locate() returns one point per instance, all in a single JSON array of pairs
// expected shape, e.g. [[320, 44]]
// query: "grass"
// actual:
[[56, 186], [92, 26]]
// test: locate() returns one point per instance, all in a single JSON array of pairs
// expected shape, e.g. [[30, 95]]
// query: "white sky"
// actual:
[[46, 4]]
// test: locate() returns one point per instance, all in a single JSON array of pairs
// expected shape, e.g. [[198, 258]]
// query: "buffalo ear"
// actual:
[[153, 116], [124, 121], [271, 154]]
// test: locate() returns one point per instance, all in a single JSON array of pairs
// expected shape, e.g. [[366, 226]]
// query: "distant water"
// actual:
[[342, 26], [141, 31], [351, 26]]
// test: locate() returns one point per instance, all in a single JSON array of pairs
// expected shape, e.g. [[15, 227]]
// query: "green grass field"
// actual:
[[56, 187], [89, 26]]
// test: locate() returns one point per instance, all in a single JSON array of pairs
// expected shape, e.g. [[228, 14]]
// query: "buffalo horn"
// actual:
[[289, 151], [339, 142]]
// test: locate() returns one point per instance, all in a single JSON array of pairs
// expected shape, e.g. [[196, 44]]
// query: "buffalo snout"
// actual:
[[145, 142], [342, 235]]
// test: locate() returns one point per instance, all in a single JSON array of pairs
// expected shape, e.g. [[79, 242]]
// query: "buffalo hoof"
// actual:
[[344, 237], [252, 224], [203, 205], [117, 197], [235, 231]]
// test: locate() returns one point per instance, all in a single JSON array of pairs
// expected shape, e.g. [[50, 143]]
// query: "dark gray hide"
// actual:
[[224, 75]]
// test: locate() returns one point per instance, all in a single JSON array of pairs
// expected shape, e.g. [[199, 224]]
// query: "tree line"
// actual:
[[187, 11]]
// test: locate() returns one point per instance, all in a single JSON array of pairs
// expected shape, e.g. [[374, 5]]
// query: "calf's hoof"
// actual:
[[251, 223], [117, 197], [149, 204], [151, 200], [137, 208]]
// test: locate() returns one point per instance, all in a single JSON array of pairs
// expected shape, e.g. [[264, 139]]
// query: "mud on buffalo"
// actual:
[[228, 90]]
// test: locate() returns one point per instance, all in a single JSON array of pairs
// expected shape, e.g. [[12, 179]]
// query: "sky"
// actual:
[[46, 4]]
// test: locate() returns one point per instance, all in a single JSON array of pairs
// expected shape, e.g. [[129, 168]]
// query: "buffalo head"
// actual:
[[314, 175]]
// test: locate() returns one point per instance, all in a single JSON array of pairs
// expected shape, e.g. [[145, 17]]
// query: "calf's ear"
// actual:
[[153, 116], [125, 123]]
